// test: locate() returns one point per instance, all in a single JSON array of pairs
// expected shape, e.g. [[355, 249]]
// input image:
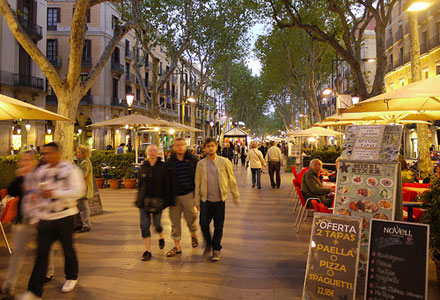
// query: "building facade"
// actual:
[[20, 77]]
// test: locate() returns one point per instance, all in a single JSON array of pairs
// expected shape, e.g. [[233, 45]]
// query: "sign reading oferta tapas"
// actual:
[[398, 261], [372, 142], [333, 258]]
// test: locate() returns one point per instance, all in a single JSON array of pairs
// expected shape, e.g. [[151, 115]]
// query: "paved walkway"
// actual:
[[263, 257]]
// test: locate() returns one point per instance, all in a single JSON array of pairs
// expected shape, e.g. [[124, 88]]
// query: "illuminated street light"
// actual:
[[49, 131], [156, 129], [327, 91], [211, 123], [27, 126], [18, 131], [117, 131], [172, 131], [191, 100], [80, 131], [417, 5], [130, 99], [371, 60], [126, 126], [355, 100]]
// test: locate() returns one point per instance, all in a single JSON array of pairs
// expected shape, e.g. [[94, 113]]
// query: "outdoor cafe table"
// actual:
[[410, 206]]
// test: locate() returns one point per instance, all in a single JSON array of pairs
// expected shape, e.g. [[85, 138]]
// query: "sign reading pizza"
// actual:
[[333, 257]]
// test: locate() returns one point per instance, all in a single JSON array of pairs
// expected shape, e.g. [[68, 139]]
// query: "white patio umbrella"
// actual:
[[315, 131], [135, 121]]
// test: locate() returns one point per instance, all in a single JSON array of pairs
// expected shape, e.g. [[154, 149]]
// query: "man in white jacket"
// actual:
[[214, 178], [57, 185]]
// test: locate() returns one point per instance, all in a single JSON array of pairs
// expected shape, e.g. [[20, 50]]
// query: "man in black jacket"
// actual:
[[228, 152], [181, 169]]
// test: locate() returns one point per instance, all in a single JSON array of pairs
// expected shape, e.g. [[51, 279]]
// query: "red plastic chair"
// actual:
[[315, 205], [304, 210], [9, 214], [324, 209], [3, 193], [417, 185], [417, 214], [300, 176], [408, 195]]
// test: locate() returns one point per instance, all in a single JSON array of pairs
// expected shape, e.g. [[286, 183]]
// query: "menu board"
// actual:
[[398, 261], [366, 190], [372, 142], [294, 150], [332, 260]]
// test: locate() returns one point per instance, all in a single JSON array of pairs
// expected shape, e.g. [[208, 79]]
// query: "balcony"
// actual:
[[169, 112], [130, 78], [435, 41], [56, 61], [86, 62], [52, 27], [128, 55], [33, 30], [389, 42], [28, 81], [117, 68], [86, 100], [119, 102], [140, 105]]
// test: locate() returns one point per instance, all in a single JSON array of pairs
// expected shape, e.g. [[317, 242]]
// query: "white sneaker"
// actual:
[[69, 285], [29, 296]]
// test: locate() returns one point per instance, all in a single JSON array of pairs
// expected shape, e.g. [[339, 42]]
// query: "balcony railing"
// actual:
[[35, 31], [28, 81], [117, 67], [119, 102], [389, 42], [86, 62], [86, 100], [130, 77], [128, 54], [56, 61], [52, 27]]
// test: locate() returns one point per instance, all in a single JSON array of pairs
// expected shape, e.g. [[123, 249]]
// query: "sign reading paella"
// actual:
[[366, 190], [372, 142], [333, 255]]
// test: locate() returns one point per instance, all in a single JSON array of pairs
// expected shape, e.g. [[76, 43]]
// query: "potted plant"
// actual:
[[97, 159], [116, 177], [130, 179], [431, 216]]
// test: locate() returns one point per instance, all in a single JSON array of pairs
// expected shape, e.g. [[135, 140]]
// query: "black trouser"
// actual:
[[243, 160], [49, 232], [274, 167], [208, 211]]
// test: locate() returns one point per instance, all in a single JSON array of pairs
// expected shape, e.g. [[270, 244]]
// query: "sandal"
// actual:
[[194, 242], [174, 251]]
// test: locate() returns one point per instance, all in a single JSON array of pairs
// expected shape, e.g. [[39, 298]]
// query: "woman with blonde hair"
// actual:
[[256, 161], [83, 154]]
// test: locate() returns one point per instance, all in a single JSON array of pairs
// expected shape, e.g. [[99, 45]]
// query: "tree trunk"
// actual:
[[222, 134], [64, 130], [155, 89]]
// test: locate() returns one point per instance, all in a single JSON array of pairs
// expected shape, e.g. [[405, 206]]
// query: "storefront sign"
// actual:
[[372, 142], [333, 258], [398, 261]]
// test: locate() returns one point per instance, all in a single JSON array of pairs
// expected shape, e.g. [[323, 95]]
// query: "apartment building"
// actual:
[[20, 77], [106, 99], [398, 54]]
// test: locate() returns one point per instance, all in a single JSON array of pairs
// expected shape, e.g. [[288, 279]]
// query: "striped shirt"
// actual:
[[184, 177]]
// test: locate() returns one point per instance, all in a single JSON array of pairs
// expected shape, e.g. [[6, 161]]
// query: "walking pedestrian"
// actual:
[[243, 153], [83, 154], [228, 152], [153, 197], [274, 158], [256, 162], [214, 178], [23, 230], [236, 153], [58, 185], [181, 170]]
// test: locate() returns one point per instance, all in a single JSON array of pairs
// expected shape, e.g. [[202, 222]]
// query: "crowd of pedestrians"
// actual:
[[54, 198]]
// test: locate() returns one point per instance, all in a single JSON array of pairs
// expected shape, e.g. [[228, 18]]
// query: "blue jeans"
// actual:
[[146, 222], [208, 211], [256, 177]]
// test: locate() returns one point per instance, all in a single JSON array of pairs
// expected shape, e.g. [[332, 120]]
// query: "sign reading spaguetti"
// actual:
[[333, 258]]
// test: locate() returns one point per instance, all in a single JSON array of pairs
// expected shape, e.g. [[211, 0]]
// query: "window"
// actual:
[[138, 95], [127, 68], [402, 82], [116, 55], [115, 88], [53, 18], [437, 69], [127, 48], [426, 73], [87, 50], [160, 68], [49, 89], [128, 89], [52, 50], [115, 22], [146, 60]]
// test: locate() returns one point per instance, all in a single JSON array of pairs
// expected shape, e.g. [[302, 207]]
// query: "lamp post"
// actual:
[[412, 7], [130, 98], [184, 102]]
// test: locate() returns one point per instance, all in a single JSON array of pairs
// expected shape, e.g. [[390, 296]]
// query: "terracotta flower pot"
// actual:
[[130, 183], [100, 182], [115, 184]]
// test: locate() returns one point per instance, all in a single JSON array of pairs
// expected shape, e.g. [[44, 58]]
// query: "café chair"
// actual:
[[9, 214], [324, 209], [303, 210]]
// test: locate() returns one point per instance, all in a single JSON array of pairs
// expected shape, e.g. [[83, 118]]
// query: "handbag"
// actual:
[[153, 204]]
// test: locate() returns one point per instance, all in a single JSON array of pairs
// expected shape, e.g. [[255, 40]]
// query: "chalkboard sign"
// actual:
[[398, 261], [95, 203], [333, 258]]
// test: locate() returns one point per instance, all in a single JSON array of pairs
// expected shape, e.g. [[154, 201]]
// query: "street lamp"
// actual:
[[80, 131], [129, 98], [327, 91], [414, 5], [184, 102], [355, 100], [27, 126]]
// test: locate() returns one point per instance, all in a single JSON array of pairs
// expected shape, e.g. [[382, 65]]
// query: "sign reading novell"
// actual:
[[398, 261], [333, 258]]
